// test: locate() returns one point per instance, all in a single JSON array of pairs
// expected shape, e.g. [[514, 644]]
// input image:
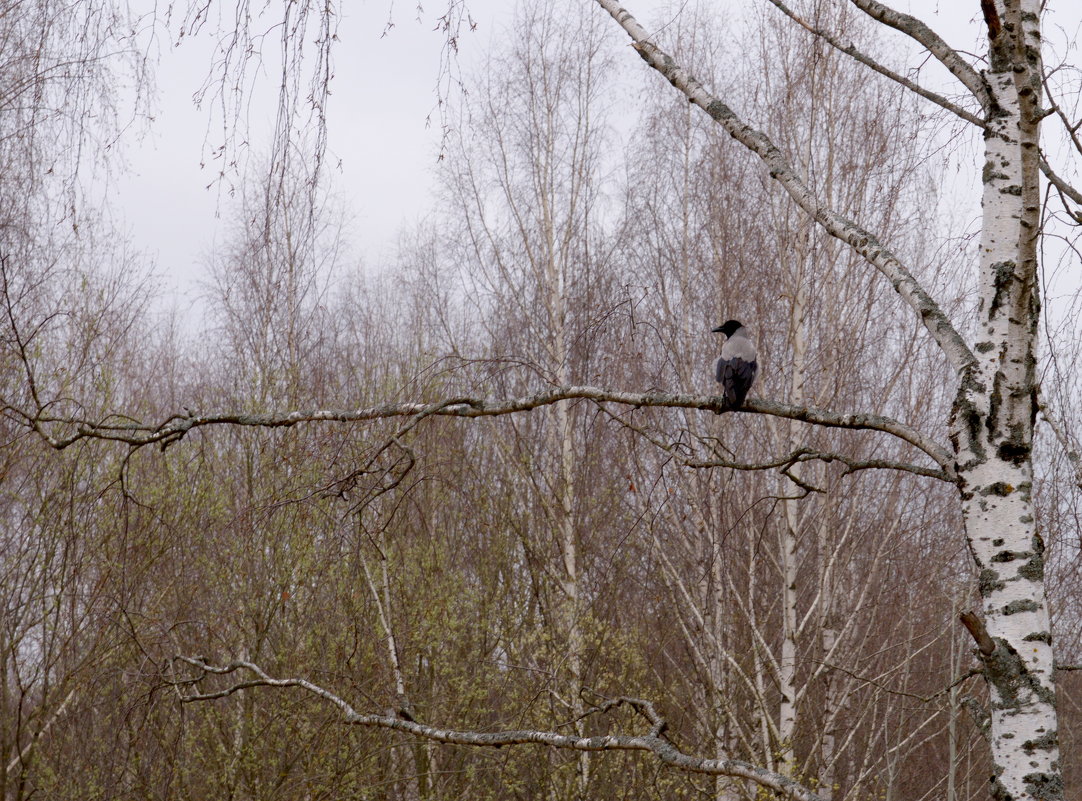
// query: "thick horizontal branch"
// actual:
[[859, 239], [138, 434], [654, 742]]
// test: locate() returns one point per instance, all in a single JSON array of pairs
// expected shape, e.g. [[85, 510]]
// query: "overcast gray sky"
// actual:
[[383, 92], [384, 89]]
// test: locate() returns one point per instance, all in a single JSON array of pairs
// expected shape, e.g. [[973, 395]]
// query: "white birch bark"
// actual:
[[828, 744], [992, 420], [563, 444], [786, 678], [381, 595], [992, 427]]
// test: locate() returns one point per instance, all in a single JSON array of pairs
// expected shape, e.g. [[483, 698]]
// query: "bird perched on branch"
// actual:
[[737, 366]]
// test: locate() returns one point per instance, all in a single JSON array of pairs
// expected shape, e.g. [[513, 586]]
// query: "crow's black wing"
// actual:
[[736, 377]]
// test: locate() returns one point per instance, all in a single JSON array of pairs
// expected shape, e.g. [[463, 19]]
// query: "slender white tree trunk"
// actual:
[[572, 600], [381, 594], [564, 446], [952, 729], [828, 745], [787, 707], [992, 426]]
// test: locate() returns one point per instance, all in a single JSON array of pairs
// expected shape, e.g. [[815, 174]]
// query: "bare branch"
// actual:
[[862, 241], [646, 708], [935, 44], [992, 19], [1070, 449], [1064, 188], [810, 455], [139, 434], [37, 735], [874, 422], [851, 51], [1057, 109], [654, 742], [924, 699], [975, 626], [853, 465]]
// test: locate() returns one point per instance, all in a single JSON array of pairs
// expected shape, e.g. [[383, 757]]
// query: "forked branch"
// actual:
[[863, 58], [684, 454], [861, 240], [919, 32], [653, 742], [1065, 189], [60, 433], [800, 455]]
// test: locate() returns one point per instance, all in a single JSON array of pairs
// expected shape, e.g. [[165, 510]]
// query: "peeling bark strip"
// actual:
[[991, 18], [653, 742], [995, 407]]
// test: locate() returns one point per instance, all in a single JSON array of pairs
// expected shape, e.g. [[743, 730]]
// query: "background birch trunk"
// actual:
[[528, 184]]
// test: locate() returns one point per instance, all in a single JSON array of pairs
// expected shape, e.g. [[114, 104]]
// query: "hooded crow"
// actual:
[[737, 366]]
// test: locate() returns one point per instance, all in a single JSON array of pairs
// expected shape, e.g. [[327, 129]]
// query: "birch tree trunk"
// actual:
[[996, 404], [790, 530], [993, 417]]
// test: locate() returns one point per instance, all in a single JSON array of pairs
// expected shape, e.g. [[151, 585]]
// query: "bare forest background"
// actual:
[[515, 571]]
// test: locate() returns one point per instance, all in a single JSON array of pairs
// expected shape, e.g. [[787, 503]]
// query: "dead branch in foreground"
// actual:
[[654, 741]]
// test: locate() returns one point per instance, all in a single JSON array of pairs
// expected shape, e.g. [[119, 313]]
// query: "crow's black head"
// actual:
[[728, 328]]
